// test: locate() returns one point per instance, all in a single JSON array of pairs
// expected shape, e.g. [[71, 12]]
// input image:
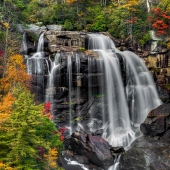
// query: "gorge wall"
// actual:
[[92, 87]]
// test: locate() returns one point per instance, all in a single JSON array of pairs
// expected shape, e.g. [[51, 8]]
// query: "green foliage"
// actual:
[[145, 38], [68, 25], [29, 130], [98, 95], [167, 86]]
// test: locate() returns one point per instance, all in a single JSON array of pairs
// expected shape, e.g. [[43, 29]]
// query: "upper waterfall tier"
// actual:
[[99, 89]]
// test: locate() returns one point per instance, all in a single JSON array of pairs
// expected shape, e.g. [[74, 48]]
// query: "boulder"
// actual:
[[95, 148], [158, 166], [157, 122], [54, 27], [146, 153]]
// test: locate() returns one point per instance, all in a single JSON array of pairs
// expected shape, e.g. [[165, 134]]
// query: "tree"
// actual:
[[29, 131], [160, 21], [15, 73], [5, 113], [9, 43]]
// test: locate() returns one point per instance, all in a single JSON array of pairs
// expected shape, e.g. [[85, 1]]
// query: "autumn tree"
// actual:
[[5, 113], [160, 21], [9, 37], [29, 131], [15, 73]]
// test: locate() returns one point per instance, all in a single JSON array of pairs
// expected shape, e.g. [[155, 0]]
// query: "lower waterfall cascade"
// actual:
[[111, 90]]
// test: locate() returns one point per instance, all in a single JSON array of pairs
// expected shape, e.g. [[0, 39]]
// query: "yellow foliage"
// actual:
[[51, 158], [130, 4], [15, 73], [47, 2], [70, 1], [5, 167], [5, 108], [4, 24], [168, 44], [165, 4]]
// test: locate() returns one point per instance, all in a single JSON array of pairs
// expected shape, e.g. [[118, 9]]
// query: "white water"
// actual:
[[55, 70], [24, 47], [40, 47], [35, 64], [119, 132], [127, 106], [140, 90], [89, 77], [75, 163], [116, 164], [78, 77], [69, 73], [100, 41]]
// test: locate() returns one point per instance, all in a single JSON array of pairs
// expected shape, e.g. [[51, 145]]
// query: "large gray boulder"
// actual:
[[98, 151], [147, 153], [157, 122]]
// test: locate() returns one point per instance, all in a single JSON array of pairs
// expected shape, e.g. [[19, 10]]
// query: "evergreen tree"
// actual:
[[31, 134]]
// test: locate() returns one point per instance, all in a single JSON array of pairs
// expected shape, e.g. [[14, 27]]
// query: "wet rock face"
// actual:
[[147, 153], [88, 152], [157, 122], [158, 166], [65, 40], [98, 151], [152, 150]]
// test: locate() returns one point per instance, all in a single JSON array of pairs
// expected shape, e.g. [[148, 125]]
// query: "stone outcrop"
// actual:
[[92, 152], [152, 150], [65, 40], [157, 122], [147, 153]]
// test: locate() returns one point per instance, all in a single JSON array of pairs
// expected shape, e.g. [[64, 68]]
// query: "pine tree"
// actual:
[[29, 131]]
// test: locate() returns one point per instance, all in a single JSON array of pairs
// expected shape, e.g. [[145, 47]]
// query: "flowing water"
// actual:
[[40, 47], [53, 78], [78, 77], [24, 47], [128, 105], [128, 102], [69, 74]]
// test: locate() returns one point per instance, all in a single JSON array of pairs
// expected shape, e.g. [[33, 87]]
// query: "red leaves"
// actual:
[[1, 53], [160, 21], [60, 133], [47, 107], [160, 25], [156, 11], [47, 110], [133, 20], [150, 19]]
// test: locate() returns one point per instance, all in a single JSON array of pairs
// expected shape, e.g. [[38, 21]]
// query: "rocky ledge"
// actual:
[[151, 151], [85, 151]]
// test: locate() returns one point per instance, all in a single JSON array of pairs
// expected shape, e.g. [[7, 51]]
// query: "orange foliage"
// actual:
[[70, 1], [51, 158], [15, 73], [5, 167], [160, 21], [5, 108], [130, 4]]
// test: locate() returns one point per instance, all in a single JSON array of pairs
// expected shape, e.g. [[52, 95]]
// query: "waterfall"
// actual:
[[35, 64], [127, 105], [148, 5], [141, 91], [55, 71], [78, 78], [89, 77], [40, 47], [69, 73], [24, 47], [100, 41]]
